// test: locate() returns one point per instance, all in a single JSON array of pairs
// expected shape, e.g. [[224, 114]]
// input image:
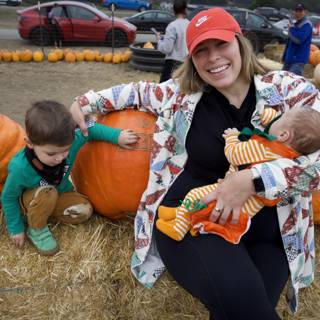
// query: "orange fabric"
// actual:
[[230, 232], [277, 147]]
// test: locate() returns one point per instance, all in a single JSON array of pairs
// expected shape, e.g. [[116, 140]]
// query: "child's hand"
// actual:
[[126, 138], [229, 131], [18, 239]]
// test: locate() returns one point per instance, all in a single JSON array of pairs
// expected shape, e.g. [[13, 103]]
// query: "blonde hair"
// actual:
[[305, 124], [190, 82]]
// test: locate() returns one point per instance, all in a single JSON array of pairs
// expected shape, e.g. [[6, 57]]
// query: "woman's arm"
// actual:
[[145, 96]]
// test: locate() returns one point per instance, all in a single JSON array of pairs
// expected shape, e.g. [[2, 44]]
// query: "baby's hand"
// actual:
[[229, 131], [18, 239], [126, 138]]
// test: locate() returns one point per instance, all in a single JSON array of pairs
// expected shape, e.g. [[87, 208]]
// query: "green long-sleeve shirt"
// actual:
[[22, 176]]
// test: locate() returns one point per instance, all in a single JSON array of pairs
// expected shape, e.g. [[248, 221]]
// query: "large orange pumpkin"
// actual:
[[316, 206], [11, 140], [114, 178]]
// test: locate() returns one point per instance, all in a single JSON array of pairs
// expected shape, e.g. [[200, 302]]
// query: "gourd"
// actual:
[[11, 140], [112, 177]]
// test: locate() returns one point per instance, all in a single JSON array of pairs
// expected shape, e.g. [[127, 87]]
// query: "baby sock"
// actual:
[[167, 213], [177, 228]]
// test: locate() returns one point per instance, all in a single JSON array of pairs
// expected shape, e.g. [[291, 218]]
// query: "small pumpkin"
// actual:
[[314, 57], [99, 57], [7, 56], [114, 178], [38, 56], [26, 55], [11, 140], [59, 53], [116, 59], [125, 56], [79, 56], [70, 57], [52, 56], [107, 57], [89, 55], [16, 56]]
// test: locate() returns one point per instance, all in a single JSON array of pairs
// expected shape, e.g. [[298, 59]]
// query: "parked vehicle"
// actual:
[[255, 27], [11, 2], [157, 19], [138, 5], [315, 20], [272, 14], [76, 21]]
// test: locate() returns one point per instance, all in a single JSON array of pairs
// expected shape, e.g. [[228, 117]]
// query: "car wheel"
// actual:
[[120, 38], [40, 36]]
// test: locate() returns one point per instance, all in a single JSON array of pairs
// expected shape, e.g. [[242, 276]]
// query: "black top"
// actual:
[[205, 145]]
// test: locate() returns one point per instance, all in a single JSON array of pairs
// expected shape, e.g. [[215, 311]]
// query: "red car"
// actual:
[[74, 21]]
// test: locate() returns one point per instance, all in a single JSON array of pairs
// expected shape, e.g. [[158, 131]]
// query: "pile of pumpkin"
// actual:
[[67, 55], [314, 57]]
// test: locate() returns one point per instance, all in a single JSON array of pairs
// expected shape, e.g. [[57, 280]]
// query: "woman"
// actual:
[[221, 85], [173, 43]]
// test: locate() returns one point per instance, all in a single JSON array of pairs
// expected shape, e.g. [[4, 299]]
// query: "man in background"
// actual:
[[297, 50]]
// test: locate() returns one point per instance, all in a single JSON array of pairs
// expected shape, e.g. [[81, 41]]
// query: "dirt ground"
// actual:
[[23, 83]]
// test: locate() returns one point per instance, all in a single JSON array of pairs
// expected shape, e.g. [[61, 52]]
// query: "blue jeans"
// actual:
[[296, 67]]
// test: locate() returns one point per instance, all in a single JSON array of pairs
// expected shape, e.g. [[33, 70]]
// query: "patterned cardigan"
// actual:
[[292, 180]]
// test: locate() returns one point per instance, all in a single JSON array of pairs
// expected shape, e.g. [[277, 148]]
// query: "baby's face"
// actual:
[[51, 155]]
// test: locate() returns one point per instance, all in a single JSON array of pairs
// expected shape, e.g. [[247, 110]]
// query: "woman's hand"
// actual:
[[231, 194], [78, 117], [127, 138], [19, 239]]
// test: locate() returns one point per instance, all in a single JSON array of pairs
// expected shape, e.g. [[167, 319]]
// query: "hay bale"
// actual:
[[90, 279]]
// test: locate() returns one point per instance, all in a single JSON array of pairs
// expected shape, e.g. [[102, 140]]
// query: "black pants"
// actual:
[[169, 66], [243, 281]]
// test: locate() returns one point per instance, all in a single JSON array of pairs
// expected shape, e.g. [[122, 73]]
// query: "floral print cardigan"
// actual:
[[292, 180]]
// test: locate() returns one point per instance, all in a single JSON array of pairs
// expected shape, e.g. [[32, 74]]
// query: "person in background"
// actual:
[[54, 25], [221, 85], [297, 50], [173, 43], [38, 188]]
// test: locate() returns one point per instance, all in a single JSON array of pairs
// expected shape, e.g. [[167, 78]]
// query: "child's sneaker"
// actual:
[[43, 240]]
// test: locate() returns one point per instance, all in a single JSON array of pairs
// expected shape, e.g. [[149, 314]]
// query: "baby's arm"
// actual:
[[242, 152], [268, 115]]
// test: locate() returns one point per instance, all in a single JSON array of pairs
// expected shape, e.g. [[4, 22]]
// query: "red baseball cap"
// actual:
[[215, 23]]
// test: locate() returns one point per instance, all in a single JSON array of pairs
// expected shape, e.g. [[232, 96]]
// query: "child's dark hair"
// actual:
[[179, 7], [49, 122]]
